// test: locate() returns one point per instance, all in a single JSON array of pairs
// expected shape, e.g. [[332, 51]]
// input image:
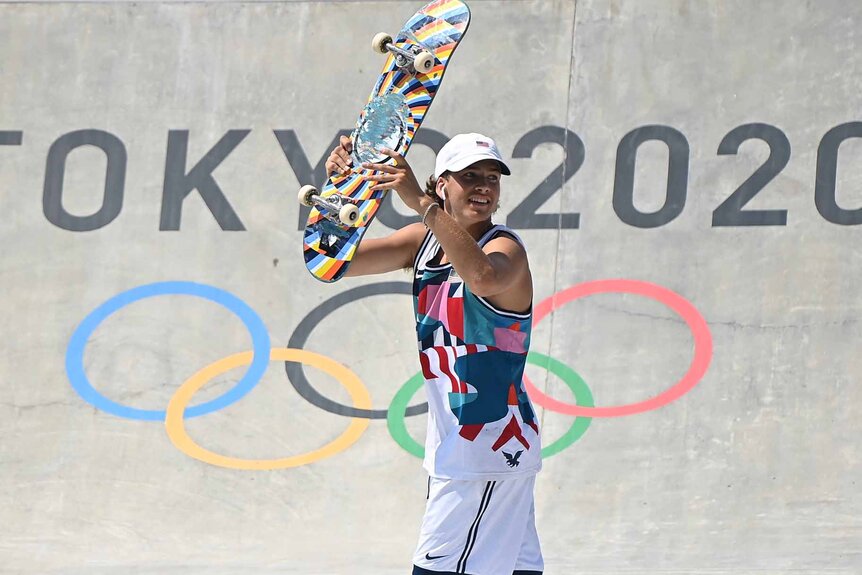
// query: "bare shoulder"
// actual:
[[507, 244], [509, 258]]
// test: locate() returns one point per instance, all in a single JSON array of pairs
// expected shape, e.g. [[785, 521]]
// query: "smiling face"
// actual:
[[473, 194]]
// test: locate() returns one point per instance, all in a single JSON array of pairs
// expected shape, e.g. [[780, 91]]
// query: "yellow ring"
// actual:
[[180, 400]]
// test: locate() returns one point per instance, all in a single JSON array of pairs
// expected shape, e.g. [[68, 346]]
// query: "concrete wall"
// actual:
[[754, 468]]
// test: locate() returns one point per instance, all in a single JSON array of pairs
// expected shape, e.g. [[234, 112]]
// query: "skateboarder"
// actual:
[[472, 291]]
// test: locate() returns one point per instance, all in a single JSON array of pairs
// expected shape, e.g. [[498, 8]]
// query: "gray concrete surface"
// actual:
[[754, 470]]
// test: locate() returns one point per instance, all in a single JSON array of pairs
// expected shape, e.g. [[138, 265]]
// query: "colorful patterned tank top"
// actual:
[[481, 424]]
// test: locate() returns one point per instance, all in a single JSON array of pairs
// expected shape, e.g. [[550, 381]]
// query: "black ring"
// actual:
[[296, 373]]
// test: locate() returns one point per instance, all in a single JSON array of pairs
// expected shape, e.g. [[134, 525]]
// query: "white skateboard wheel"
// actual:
[[348, 214], [305, 193], [381, 39], [424, 62]]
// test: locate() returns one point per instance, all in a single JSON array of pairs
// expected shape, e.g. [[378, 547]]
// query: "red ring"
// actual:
[[691, 316]]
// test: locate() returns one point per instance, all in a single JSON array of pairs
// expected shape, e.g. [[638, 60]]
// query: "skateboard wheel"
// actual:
[[380, 41], [305, 193], [424, 62], [348, 214]]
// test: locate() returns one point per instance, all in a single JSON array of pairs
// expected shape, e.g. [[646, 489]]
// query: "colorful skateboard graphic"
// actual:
[[416, 61]]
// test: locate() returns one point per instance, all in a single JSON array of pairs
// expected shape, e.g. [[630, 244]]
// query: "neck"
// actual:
[[475, 229], [478, 229]]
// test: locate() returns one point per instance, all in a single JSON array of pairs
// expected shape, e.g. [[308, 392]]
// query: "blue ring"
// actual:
[[255, 326]]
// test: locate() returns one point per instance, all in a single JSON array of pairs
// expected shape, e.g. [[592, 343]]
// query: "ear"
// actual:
[[441, 189]]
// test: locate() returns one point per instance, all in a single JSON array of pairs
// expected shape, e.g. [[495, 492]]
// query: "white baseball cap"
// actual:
[[465, 150]]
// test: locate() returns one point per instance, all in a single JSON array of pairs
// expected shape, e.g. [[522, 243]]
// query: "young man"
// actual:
[[472, 293]]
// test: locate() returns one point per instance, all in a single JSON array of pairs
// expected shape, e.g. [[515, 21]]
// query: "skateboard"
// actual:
[[416, 61]]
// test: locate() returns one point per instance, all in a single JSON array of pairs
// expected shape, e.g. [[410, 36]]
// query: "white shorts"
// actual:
[[479, 528]]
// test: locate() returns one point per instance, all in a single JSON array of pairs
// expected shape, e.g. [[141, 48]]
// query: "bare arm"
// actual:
[[499, 271], [394, 252]]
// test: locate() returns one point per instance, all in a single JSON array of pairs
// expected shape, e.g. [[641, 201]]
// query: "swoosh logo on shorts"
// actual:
[[430, 557]]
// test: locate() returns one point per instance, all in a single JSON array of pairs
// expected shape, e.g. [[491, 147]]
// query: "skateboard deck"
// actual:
[[405, 88]]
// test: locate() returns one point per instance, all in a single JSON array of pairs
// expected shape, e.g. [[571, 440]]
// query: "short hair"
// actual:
[[431, 189]]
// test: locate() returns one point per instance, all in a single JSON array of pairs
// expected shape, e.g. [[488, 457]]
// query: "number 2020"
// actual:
[[729, 213]]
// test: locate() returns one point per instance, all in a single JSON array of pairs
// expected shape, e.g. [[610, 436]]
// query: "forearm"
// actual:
[[470, 262]]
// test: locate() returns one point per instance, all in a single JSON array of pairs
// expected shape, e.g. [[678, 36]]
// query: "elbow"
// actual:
[[484, 283]]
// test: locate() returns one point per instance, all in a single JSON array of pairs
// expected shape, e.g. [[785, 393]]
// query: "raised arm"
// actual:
[[499, 272]]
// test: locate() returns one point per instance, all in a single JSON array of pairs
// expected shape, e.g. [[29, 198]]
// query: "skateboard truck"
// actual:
[[419, 60], [334, 206]]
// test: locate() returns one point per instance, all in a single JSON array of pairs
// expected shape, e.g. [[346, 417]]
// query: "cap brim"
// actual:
[[470, 160]]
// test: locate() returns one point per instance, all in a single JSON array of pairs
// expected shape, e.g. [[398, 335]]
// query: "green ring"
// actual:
[[396, 422]]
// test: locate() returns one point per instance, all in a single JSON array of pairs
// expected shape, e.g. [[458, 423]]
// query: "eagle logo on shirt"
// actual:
[[512, 460]]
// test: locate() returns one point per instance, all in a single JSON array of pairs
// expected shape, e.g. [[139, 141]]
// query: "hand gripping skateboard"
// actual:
[[416, 61]]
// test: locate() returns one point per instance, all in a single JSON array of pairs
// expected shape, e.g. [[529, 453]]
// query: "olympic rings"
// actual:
[[300, 336], [75, 351], [360, 411], [395, 421], [181, 440], [695, 322]]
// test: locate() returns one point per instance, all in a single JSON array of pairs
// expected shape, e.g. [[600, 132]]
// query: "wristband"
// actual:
[[427, 211]]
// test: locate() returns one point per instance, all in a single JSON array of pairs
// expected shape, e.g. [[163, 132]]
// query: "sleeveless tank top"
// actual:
[[481, 424]]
